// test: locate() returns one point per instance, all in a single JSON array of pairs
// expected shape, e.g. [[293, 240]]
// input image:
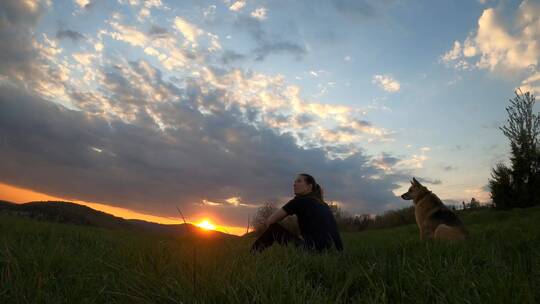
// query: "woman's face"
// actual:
[[301, 187]]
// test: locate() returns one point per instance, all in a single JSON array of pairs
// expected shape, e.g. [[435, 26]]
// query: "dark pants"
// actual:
[[275, 233]]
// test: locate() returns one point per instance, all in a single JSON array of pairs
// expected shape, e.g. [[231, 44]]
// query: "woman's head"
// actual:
[[305, 184]]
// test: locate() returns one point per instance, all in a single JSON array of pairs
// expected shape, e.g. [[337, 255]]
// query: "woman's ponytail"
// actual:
[[317, 190]]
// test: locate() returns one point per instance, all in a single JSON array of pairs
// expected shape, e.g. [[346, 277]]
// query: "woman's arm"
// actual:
[[277, 216]]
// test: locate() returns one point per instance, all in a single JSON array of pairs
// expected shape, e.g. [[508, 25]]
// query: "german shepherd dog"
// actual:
[[433, 218]]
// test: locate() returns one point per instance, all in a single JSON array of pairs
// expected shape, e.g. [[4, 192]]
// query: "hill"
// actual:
[[71, 213]]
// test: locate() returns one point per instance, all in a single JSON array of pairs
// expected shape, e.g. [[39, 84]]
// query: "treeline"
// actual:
[[390, 218], [352, 223]]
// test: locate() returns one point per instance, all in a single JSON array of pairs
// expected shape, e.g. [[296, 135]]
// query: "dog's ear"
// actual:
[[415, 182], [412, 183]]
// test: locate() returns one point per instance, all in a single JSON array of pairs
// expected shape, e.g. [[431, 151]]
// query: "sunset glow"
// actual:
[[20, 195], [206, 225]]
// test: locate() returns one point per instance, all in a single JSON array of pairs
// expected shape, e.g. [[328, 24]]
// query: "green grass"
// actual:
[[54, 263]]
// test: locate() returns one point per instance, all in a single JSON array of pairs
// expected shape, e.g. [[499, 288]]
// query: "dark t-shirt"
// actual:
[[316, 221]]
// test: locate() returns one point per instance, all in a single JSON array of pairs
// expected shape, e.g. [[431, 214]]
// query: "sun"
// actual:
[[206, 225]]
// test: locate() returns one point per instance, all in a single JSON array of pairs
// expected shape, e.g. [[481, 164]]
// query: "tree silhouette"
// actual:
[[501, 186], [264, 212], [518, 186], [474, 203]]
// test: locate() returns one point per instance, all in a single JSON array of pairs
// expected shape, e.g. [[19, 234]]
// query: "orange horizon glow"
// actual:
[[205, 224], [20, 195]]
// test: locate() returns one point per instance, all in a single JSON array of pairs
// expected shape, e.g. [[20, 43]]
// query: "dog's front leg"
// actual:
[[426, 233]]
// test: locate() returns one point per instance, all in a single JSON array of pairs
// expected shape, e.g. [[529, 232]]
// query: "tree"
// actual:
[[336, 210], [501, 187], [518, 186], [262, 214], [474, 204]]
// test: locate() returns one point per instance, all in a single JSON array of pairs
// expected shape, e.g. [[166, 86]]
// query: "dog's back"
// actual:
[[448, 225]]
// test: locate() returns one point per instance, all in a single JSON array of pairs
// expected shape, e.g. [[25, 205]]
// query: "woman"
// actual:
[[315, 220]]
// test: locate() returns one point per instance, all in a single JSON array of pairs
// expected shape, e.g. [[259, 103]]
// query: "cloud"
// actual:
[[354, 8], [408, 164], [188, 30], [237, 6], [119, 90], [278, 47], [146, 3], [359, 10], [502, 46], [498, 47], [83, 58], [453, 57], [385, 161], [304, 120], [387, 83], [27, 60], [164, 46], [158, 32], [143, 13], [153, 3], [268, 43], [259, 13], [128, 34], [17, 50], [70, 34], [209, 12], [86, 4], [425, 180], [230, 56], [402, 165], [531, 83]]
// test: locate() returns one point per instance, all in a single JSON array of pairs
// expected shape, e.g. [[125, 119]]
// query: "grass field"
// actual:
[[55, 263]]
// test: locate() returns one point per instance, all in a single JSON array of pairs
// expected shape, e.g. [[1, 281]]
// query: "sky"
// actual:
[[214, 107]]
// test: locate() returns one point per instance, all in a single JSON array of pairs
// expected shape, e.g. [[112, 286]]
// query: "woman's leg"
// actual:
[[275, 233]]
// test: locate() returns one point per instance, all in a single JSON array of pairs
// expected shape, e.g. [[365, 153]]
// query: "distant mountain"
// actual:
[[71, 213]]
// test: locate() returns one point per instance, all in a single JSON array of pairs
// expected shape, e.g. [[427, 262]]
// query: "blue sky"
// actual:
[[216, 105]]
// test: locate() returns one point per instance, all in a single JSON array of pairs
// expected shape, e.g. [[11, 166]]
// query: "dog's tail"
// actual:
[[445, 232]]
